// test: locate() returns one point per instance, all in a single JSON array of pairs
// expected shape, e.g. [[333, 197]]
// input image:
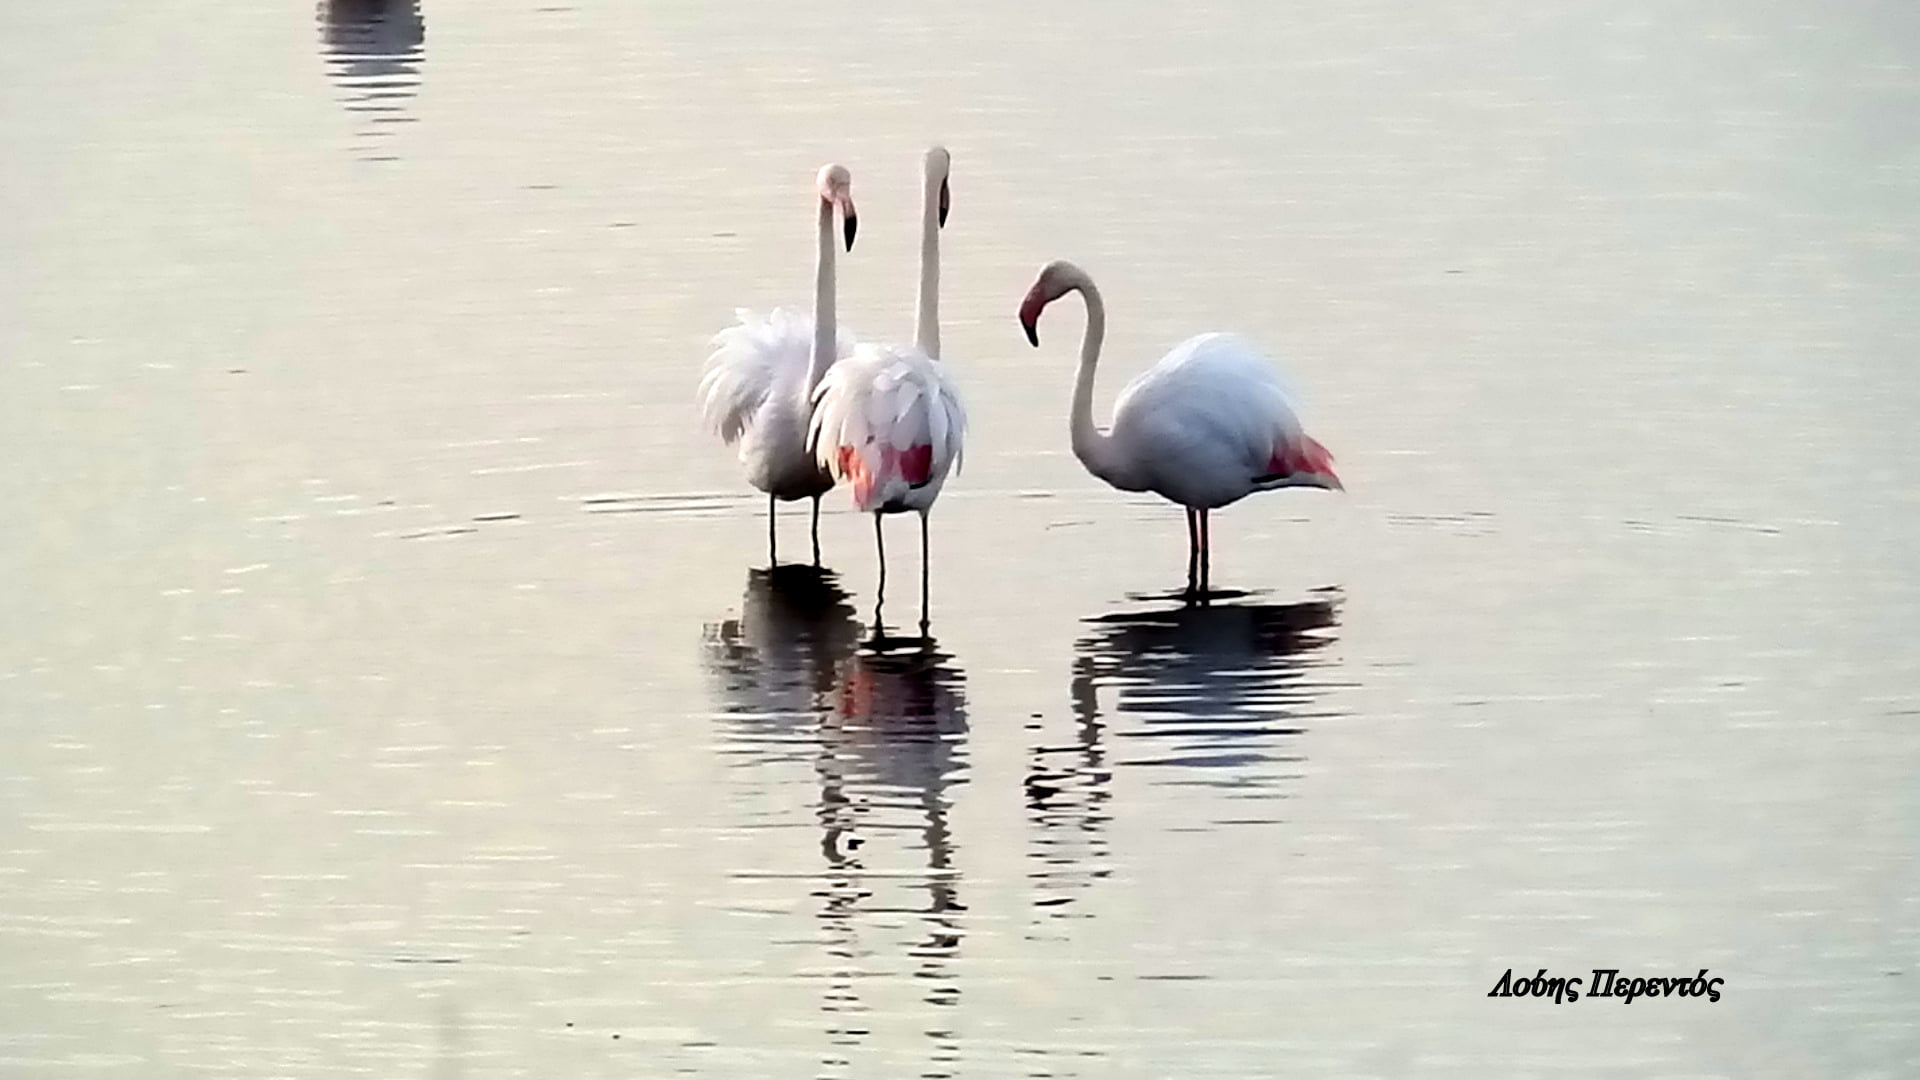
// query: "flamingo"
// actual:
[[1208, 425], [757, 386], [887, 418]]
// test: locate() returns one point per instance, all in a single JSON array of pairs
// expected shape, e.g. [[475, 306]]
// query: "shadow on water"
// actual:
[[1208, 698], [373, 51], [884, 726]]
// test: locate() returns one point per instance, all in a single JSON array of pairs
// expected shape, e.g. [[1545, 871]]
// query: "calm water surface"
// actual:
[[392, 684]]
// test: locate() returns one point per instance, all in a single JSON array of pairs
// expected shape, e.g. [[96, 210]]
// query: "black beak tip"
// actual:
[[853, 224], [943, 217], [1033, 334]]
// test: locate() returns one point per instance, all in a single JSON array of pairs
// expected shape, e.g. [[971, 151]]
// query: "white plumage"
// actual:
[[1208, 425], [756, 389], [1204, 426], [753, 394], [887, 420]]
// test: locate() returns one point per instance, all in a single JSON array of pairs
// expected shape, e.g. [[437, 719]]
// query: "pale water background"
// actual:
[[388, 689]]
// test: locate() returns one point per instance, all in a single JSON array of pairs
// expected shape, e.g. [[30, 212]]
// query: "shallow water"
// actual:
[[393, 684]]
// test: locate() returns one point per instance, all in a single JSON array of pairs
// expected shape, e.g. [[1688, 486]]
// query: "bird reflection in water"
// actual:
[[776, 664], [1210, 699], [884, 725], [373, 51]]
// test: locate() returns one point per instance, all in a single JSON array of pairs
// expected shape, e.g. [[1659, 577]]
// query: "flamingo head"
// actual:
[[937, 166], [1057, 279], [836, 188]]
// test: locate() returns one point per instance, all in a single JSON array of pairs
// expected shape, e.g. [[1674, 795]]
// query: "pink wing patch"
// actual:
[[916, 465], [854, 468], [913, 465], [1306, 457]]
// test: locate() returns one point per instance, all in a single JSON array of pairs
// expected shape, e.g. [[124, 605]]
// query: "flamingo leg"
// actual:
[[1206, 552], [773, 548], [880, 594], [816, 532], [1193, 552], [923, 574]]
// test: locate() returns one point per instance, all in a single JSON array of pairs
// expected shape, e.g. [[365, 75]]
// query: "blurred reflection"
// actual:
[[883, 728], [1067, 790], [1207, 697], [373, 50], [776, 663], [890, 748]]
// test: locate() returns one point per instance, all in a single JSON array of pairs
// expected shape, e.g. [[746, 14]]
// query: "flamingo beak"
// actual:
[[1030, 318], [946, 197], [852, 223]]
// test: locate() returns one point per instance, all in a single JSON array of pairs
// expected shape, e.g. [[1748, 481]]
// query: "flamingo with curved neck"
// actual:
[[1208, 425]]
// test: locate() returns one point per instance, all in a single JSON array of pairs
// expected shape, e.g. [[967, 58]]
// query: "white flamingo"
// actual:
[[757, 387], [1208, 425], [887, 418]]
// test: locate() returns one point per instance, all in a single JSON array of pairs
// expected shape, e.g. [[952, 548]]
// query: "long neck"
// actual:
[[927, 327], [1094, 448], [825, 333]]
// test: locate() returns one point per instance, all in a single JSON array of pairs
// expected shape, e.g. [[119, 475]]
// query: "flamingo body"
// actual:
[[1210, 424], [887, 420], [753, 395]]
